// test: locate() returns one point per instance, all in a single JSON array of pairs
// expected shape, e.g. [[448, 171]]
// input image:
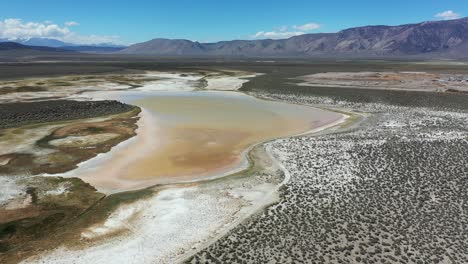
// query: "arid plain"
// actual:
[[233, 161]]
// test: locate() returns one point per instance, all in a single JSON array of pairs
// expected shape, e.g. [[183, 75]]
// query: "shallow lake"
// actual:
[[190, 136]]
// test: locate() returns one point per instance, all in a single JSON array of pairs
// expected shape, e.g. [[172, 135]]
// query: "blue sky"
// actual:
[[207, 20]]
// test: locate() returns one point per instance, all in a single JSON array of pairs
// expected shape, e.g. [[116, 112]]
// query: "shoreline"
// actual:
[[318, 182], [337, 169], [269, 195], [269, 198], [93, 165], [144, 134]]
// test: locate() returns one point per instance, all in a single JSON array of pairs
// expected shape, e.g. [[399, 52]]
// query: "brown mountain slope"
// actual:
[[433, 39]]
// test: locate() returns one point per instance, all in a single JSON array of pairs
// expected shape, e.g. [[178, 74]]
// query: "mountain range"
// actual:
[[440, 39], [54, 43], [13, 46], [446, 39]]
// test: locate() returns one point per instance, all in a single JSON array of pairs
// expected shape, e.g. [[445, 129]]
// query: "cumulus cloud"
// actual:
[[286, 31], [447, 15], [71, 24], [14, 29]]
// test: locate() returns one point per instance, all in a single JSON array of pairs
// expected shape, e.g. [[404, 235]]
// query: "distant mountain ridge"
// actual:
[[44, 42], [13, 46], [444, 39], [93, 49], [54, 43], [12, 51]]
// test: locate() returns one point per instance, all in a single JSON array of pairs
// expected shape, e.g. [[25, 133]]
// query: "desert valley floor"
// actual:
[[237, 161]]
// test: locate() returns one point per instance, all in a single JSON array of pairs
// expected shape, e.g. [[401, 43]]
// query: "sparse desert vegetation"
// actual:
[[392, 190]]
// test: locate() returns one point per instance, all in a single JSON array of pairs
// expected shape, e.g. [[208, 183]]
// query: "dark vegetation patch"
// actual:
[[60, 159], [56, 219], [19, 114], [279, 80]]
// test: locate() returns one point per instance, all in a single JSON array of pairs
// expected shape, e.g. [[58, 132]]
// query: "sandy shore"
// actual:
[[228, 83], [107, 164]]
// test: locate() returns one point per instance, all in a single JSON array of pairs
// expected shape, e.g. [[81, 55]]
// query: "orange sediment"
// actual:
[[194, 136]]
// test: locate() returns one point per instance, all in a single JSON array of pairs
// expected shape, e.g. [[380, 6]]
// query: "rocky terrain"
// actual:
[[431, 39], [392, 190]]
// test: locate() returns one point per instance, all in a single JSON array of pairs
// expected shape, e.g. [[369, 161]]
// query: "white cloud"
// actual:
[[447, 15], [286, 31], [71, 24], [308, 27], [14, 28], [276, 34]]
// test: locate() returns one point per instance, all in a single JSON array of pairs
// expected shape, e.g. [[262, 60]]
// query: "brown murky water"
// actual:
[[188, 136]]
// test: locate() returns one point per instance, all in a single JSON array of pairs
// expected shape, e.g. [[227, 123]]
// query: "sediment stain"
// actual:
[[198, 135]]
